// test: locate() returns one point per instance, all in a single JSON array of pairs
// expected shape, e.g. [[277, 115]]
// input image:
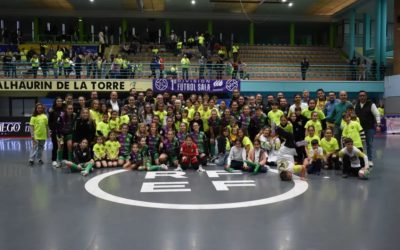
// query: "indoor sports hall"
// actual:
[[199, 124]]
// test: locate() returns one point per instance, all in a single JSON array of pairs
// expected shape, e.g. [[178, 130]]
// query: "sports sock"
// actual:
[[59, 155], [70, 155], [88, 167], [74, 166], [154, 168]]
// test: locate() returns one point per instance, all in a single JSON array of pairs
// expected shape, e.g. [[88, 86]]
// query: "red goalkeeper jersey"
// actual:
[[190, 151]]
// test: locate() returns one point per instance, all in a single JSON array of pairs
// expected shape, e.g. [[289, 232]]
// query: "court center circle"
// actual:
[[92, 186]]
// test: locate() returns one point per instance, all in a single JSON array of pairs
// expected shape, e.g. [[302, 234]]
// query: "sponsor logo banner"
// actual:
[[193, 85], [392, 124], [14, 126], [48, 85]]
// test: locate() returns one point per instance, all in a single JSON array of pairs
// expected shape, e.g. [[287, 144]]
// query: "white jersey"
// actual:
[[354, 155]]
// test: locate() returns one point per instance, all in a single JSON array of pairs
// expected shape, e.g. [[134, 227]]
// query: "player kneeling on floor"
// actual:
[[135, 159], [189, 154], [82, 160], [315, 158], [146, 158], [170, 150], [257, 158], [353, 160]]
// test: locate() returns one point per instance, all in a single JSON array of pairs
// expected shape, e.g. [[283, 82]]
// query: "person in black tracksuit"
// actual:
[[299, 121], [64, 131], [54, 113], [84, 128]]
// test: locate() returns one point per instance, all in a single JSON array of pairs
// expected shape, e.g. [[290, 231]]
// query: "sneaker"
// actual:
[[55, 164], [40, 162], [31, 162], [345, 176], [371, 164], [84, 173], [141, 168], [58, 165], [164, 167], [178, 169], [200, 169]]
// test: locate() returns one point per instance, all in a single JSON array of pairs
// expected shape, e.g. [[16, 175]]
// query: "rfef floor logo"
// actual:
[[213, 189]]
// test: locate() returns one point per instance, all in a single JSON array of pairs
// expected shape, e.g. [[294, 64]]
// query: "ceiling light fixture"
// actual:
[[92, 1], [193, 2], [290, 4], [284, 1]]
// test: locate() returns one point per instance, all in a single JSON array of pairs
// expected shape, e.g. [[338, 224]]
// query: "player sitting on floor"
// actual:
[[315, 158], [331, 148], [99, 153], [82, 160], [353, 159], [257, 158], [135, 159], [189, 154], [170, 150], [237, 158], [112, 149]]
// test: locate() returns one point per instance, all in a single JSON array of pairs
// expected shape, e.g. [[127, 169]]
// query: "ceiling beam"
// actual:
[[164, 15]]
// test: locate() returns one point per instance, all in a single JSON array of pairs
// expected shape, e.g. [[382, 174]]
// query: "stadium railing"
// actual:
[[143, 70]]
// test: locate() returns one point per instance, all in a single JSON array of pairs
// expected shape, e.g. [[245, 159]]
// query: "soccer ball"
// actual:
[[363, 174]]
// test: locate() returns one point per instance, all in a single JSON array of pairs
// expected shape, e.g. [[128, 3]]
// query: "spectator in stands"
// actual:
[[185, 63], [35, 66], [78, 65], [382, 71], [362, 70], [304, 65], [202, 66], [89, 61], [179, 46], [161, 66], [219, 67], [13, 66], [67, 65], [201, 44], [114, 103], [209, 65], [353, 68], [374, 66], [370, 118], [102, 44], [242, 71], [235, 67], [235, 52], [44, 65]]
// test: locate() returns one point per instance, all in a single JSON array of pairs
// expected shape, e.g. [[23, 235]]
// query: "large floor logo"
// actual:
[[210, 188]]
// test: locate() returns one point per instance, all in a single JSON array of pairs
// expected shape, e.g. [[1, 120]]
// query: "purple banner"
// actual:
[[195, 85]]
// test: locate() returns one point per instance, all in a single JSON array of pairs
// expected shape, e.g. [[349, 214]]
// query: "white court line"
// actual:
[[92, 186]]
